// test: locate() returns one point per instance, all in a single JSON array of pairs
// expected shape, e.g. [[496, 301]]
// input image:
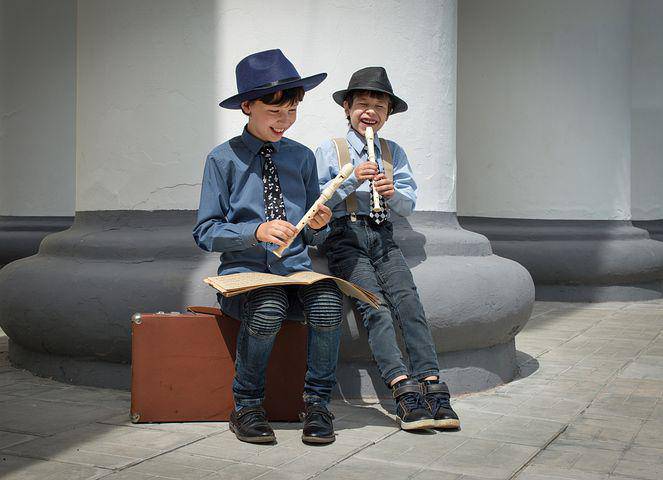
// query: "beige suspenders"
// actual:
[[343, 155]]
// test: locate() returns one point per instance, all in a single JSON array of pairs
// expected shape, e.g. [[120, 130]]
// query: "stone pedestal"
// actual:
[[67, 310]]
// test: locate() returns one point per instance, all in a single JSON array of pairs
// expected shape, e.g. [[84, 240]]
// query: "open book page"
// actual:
[[238, 283]]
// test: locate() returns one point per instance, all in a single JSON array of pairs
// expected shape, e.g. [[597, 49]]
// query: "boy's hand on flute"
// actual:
[[321, 217], [383, 185], [366, 171], [276, 231]]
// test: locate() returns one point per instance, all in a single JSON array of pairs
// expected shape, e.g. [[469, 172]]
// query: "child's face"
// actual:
[[367, 111], [269, 122]]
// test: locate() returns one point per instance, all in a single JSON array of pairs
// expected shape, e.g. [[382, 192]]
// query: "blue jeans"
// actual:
[[365, 253], [264, 311]]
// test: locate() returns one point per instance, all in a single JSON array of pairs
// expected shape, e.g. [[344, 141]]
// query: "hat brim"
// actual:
[[399, 105], [307, 83]]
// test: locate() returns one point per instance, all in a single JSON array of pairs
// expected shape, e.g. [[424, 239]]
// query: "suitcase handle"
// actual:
[[205, 310]]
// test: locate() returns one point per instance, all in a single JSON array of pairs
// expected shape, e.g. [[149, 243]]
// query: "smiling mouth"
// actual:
[[278, 131], [369, 122]]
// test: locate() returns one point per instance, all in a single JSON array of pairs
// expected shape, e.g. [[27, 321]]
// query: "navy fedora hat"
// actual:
[[373, 79], [267, 72]]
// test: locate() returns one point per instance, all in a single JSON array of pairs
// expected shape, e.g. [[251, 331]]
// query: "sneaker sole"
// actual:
[[425, 424], [260, 439], [450, 423], [307, 439]]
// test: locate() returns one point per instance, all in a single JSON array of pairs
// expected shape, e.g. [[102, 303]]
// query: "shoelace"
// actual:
[[439, 400], [412, 401]]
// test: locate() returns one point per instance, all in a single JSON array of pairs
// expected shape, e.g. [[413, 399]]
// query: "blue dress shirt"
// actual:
[[232, 205], [405, 188]]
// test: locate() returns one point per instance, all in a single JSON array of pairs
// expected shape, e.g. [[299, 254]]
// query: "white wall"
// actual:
[[647, 110], [37, 107], [544, 109], [150, 75]]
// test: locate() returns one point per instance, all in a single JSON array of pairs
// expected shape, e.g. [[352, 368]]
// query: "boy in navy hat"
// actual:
[[361, 249], [254, 185]]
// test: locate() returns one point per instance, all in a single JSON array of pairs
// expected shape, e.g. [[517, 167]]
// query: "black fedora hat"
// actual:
[[267, 72], [373, 79]]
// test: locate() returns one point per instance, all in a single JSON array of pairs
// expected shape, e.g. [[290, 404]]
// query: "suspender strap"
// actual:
[[343, 155], [387, 161]]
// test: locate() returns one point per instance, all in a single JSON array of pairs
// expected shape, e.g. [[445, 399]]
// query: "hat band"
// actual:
[[275, 84]]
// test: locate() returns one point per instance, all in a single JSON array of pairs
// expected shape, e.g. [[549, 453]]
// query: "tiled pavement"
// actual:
[[588, 406]]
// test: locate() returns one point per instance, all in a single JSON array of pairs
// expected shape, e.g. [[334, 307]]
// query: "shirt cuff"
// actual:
[[248, 234]]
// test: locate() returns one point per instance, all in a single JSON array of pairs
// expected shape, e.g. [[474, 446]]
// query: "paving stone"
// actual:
[[645, 367], [594, 460], [413, 448], [240, 471], [437, 475], [618, 405], [8, 439], [610, 433], [180, 465], [473, 421], [96, 396], [304, 466], [39, 417], [635, 386], [17, 468], [553, 408], [522, 430], [361, 469], [494, 403], [538, 472], [639, 470], [651, 435], [102, 445], [484, 458], [200, 428]]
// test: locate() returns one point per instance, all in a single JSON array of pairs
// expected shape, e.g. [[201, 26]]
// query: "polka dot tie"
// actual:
[[274, 206]]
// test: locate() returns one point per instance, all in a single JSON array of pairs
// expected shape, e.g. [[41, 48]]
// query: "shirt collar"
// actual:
[[358, 141], [254, 144]]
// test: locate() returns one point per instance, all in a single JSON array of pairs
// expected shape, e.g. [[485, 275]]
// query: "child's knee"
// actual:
[[266, 310], [323, 305]]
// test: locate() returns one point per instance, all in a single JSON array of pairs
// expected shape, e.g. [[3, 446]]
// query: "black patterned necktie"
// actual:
[[382, 215], [274, 206]]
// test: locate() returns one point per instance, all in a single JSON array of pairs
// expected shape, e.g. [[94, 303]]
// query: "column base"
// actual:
[[578, 260], [67, 309], [20, 236]]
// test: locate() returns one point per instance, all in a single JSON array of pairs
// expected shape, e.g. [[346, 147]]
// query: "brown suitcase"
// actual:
[[183, 366]]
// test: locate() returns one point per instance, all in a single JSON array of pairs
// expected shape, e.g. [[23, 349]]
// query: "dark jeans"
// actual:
[[264, 311], [366, 254]]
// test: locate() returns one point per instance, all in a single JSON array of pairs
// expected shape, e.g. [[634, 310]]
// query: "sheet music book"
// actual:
[[238, 283]]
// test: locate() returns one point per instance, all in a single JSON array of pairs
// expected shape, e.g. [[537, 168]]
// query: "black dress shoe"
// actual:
[[438, 399], [318, 425], [250, 425]]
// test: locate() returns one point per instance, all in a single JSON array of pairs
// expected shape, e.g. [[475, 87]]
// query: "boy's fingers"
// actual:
[[275, 240], [286, 226]]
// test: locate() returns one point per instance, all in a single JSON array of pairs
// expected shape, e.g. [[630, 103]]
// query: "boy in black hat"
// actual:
[[361, 249], [253, 186]]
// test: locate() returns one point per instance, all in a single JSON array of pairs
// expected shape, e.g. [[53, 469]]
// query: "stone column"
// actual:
[[647, 117], [545, 145], [37, 111], [150, 75]]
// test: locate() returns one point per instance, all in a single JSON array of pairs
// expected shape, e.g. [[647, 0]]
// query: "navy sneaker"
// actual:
[[437, 398], [411, 408]]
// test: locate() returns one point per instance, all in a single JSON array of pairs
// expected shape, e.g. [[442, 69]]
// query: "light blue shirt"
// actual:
[[405, 196], [232, 205]]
